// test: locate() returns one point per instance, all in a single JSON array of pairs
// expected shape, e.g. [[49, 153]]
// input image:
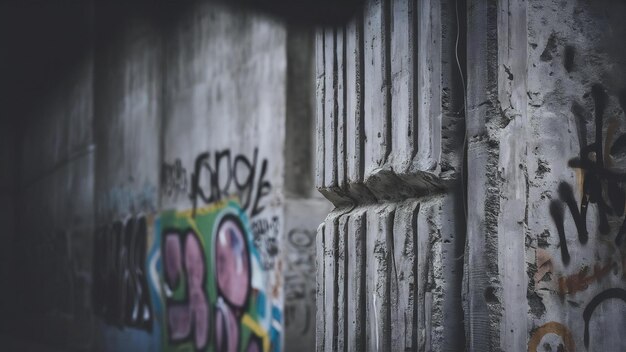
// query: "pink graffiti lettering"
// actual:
[[226, 328], [232, 262], [194, 311]]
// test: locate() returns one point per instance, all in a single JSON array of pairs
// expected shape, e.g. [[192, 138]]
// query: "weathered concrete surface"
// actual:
[[302, 217], [544, 218], [305, 208], [127, 112], [576, 81], [389, 148], [166, 111]]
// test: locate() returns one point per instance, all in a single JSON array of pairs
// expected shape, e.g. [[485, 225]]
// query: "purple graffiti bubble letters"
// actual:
[[226, 328], [232, 262], [254, 345], [194, 263], [194, 310]]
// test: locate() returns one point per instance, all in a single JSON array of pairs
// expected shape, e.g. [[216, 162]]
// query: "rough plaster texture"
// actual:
[[121, 136]]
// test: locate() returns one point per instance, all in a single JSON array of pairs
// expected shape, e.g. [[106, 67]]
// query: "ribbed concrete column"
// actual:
[[389, 148]]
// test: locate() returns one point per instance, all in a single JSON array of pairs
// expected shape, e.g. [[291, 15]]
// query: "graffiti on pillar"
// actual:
[[602, 185], [565, 341], [120, 289], [221, 175], [174, 179], [215, 292], [265, 232], [300, 280], [601, 297]]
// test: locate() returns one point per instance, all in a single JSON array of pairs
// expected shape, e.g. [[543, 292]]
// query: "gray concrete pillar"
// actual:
[[389, 149]]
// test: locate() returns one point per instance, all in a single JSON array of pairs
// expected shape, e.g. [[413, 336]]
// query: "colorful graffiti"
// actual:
[[215, 293]]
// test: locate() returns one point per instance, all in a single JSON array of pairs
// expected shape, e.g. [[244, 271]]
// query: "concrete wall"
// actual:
[[544, 119], [128, 111], [304, 206], [389, 145], [170, 113], [542, 267]]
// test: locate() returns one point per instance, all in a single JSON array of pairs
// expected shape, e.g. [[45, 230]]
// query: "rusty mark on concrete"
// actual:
[[551, 328], [580, 281], [544, 264]]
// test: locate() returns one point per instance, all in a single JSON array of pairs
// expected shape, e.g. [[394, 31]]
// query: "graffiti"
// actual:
[[120, 289], [601, 184], [551, 328], [193, 310], [300, 279], [174, 178], [265, 233], [580, 281], [228, 176], [601, 297], [213, 284]]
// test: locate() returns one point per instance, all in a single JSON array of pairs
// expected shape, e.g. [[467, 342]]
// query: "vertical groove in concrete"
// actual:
[[351, 104], [386, 46], [354, 100], [341, 107], [422, 271], [375, 96], [402, 75], [429, 85], [403, 279], [330, 286], [320, 283], [378, 277], [512, 97], [356, 295], [330, 108], [319, 111], [342, 301]]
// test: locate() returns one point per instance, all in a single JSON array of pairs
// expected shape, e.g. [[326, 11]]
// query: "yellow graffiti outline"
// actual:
[[257, 329], [209, 208]]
